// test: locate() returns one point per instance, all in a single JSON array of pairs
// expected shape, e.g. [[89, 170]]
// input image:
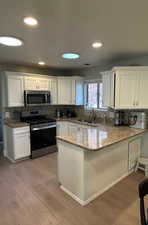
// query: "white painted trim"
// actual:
[[105, 189], [82, 202], [93, 80], [130, 68], [15, 161], [73, 196], [4, 152]]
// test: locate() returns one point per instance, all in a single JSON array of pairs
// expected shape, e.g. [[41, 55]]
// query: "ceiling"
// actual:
[[72, 26]]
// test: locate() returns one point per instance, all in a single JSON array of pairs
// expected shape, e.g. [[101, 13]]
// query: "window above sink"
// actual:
[[93, 94]]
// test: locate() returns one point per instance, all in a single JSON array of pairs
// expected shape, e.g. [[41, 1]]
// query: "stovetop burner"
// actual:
[[36, 118], [37, 121]]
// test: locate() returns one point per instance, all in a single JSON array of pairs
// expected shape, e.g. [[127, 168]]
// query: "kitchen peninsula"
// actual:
[[92, 159]]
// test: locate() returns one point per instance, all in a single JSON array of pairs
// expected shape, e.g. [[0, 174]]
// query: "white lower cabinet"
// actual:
[[134, 149], [18, 143], [62, 128]]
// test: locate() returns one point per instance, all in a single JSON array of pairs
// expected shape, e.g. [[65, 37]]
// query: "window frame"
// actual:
[[98, 98]]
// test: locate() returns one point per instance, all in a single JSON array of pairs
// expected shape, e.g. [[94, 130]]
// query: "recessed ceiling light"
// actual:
[[70, 56], [41, 63], [31, 21], [10, 41], [97, 45]]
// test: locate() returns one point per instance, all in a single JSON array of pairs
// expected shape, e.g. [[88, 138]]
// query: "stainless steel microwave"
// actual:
[[34, 98]]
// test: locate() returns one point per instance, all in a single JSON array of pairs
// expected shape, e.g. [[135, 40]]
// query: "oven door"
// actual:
[[43, 136], [33, 98]]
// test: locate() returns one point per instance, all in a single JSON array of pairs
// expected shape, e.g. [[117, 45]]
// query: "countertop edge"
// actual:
[[15, 124], [100, 148]]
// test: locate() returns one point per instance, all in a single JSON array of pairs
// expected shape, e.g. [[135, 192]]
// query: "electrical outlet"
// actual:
[[7, 114]]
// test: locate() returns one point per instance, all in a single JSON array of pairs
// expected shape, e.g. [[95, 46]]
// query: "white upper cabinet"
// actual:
[[79, 91], [53, 90], [43, 84], [106, 79], [142, 93], [15, 90], [70, 90], [64, 90], [36, 83], [126, 88]]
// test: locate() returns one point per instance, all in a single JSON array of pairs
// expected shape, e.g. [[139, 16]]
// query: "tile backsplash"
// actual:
[[14, 112], [80, 111]]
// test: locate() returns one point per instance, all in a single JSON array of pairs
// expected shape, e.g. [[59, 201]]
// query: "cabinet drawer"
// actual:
[[20, 130]]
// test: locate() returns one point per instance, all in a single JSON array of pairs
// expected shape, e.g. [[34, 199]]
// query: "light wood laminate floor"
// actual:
[[30, 195]]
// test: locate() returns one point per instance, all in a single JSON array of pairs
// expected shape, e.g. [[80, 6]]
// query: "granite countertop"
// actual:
[[15, 124], [78, 121], [96, 138]]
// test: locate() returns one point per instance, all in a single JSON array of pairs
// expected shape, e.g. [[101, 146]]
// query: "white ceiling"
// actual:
[[72, 26]]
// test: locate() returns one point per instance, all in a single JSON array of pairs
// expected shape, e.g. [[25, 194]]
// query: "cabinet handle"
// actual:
[[134, 103]]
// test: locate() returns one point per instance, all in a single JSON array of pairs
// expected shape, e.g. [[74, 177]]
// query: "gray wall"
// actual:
[[94, 72], [32, 69], [0, 127]]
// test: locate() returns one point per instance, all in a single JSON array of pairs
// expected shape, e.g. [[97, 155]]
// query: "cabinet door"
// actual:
[[126, 89], [15, 90], [65, 91], [73, 92], [30, 83], [62, 128], [142, 93], [79, 92], [106, 89], [58, 129], [21, 145], [134, 152], [42, 84], [53, 90], [36, 83]]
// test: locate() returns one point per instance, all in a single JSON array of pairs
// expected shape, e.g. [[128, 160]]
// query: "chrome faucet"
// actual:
[[92, 116]]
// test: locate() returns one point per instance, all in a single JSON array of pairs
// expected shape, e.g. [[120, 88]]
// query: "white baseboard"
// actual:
[[73, 196], [10, 159], [18, 160], [94, 196], [4, 152]]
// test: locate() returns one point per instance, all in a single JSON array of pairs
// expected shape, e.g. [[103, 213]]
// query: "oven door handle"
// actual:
[[43, 128]]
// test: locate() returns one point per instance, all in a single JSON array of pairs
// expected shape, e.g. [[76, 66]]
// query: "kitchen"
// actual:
[[74, 113]]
